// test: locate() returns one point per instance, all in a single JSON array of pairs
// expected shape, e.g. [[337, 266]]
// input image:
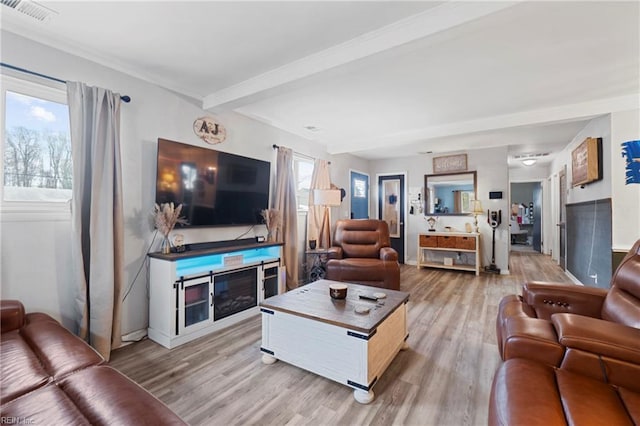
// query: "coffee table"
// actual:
[[305, 327]]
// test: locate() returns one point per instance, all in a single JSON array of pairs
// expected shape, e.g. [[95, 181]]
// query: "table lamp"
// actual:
[[327, 198], [477, 209]]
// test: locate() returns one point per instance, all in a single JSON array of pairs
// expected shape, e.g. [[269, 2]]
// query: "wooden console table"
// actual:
[[450, 250]]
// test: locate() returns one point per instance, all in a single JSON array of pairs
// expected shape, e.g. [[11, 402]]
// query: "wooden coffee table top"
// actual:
[[313, 301]]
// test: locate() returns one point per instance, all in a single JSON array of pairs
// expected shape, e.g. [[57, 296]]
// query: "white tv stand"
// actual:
[[194, 293]]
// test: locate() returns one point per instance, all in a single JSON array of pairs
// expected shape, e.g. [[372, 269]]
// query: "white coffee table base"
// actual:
[[268, 359], [348, 357], [363, 397]]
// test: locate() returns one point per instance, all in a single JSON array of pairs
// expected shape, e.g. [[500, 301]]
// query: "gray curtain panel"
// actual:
[[285, 202], [97, 215]]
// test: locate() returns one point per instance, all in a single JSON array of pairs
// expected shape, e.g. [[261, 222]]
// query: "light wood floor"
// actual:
[[443, 379]]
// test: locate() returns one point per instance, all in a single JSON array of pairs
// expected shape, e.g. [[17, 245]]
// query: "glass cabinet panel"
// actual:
[[196, 303]]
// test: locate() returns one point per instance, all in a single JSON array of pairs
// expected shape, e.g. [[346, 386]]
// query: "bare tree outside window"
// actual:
[[37, 151]]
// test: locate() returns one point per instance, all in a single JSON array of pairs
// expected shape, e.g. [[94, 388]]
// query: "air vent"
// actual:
[[30, 8], [523, 156]]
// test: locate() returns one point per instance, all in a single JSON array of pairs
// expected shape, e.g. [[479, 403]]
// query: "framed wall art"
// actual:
[[586, 162], [450, 163]]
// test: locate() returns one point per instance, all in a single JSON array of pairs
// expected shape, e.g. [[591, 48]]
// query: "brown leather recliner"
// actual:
[[362, 253], [524, 328], [572, 353]]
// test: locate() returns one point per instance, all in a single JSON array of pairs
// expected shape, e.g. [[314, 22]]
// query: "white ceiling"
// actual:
[[376, 79]]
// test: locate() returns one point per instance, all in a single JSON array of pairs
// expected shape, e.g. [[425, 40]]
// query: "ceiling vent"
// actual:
[[30, 9], [523, 156]]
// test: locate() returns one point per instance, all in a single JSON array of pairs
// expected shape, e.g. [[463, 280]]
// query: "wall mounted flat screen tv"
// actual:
[[215, 188]]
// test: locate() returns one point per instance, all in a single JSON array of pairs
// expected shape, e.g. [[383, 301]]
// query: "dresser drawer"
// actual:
[[428, 241], [447, 241], [466, 243]]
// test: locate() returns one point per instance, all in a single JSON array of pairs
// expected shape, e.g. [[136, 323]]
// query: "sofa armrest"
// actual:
[[600, 337], [550, 298], [11, 315], [387, 253], [334, 252]]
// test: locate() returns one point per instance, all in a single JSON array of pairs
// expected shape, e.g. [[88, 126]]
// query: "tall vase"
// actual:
[[165, 245]]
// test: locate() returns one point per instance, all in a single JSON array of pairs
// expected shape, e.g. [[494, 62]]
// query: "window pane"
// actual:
[[37, 149], [303, 170], [359, 188]]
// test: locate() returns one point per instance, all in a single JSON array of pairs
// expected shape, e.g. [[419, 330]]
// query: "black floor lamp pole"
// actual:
[[493, 268]]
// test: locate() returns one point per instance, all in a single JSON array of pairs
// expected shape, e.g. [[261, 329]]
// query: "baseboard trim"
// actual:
[[573, 278], [134, 336]]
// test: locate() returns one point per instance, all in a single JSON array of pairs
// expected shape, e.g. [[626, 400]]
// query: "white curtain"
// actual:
[[320, 179], [285, 202], [97, 217]]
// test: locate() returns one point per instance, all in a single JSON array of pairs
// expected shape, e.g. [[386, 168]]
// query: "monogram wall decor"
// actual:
[[209, 130]]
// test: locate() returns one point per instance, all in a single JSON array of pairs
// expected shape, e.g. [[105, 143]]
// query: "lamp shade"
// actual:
[[326, 197], [477, 207]]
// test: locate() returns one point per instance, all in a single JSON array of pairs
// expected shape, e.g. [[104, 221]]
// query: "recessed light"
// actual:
[[529, 161]]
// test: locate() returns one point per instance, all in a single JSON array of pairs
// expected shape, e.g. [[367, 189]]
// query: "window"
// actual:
[[36, 146], [303, 170]]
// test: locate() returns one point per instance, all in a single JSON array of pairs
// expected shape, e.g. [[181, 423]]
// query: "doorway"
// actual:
[[391, 202], [562, 214], [359, 195], [525, 222]]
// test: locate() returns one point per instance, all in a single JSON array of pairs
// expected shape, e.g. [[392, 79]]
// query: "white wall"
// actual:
[[522, 173], [36, 262], [625, 126], [492, 175], [597, 128]]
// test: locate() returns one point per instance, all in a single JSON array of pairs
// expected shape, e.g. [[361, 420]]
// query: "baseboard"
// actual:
[[134, 336], [411, 262], [573, 278]]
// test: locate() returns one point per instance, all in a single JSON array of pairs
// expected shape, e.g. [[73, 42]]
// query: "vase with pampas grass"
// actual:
[[166, 216], [273, 220]]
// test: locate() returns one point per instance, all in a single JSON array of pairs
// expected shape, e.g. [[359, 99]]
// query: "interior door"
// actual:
[[562, 230], [391, 209], [359, 195], [537, 214]]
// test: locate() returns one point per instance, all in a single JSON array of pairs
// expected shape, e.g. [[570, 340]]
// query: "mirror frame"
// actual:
[[426, 192]]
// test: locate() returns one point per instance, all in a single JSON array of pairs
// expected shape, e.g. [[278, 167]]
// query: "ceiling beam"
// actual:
[[431, 21], [551, 115]]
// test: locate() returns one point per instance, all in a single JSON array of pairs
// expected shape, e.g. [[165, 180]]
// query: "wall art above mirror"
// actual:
[[450, 193]]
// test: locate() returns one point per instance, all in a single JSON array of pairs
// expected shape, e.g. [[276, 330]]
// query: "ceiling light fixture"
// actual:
[[529, 161]]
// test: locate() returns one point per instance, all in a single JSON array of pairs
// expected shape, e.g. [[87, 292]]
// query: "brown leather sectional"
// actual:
[[49, 376], [362, 253], [571, 354]]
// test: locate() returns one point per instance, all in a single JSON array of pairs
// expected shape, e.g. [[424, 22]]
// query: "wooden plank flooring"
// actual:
[[443, 379]]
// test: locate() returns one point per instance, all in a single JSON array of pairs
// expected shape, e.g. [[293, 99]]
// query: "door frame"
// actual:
[[405, 196], [368, 175]]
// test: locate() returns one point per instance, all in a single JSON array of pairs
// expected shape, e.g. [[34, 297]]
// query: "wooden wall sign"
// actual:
[[450, 163], [586, 162], [209, 130]]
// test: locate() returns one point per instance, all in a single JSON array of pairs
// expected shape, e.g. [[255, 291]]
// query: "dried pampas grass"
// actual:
[[166, 216], [273, 220]]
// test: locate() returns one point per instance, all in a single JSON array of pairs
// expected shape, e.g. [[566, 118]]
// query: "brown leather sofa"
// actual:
[[572, 354], [362, 253], [49, 376]]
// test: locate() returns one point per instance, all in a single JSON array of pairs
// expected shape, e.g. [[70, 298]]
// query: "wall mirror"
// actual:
[[450, 193]]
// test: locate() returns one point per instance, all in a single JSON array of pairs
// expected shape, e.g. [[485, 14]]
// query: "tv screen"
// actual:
[[215, 188]]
